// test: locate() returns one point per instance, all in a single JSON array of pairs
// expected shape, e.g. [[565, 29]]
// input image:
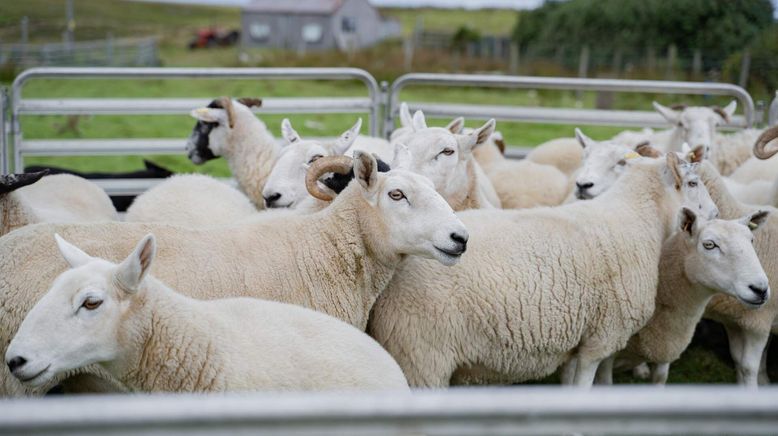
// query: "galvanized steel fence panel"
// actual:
[[559, 115], [548, 410], [154, 106], [4, 130]]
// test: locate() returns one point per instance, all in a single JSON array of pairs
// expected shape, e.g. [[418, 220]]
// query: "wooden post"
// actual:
[[745, 66], [651, 61], [583, 62], [408, 53], [617, 59], [697, 63], [513, 60], [672, 54]]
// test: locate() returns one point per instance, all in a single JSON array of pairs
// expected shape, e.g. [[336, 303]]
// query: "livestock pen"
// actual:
[[465, 411]]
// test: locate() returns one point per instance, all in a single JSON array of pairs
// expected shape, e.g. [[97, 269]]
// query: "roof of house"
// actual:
[[294, 6]]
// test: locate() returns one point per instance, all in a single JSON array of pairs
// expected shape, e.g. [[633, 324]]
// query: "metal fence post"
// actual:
[[3, 130]]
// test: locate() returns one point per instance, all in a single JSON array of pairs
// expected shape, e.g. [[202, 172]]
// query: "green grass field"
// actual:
[[174, 25]]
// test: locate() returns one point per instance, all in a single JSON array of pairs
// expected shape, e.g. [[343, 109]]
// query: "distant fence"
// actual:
[[4, 128], [125, 52], [547, 410], [370, 103]]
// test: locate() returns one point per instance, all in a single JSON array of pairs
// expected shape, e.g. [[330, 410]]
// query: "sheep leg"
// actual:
[[735, 337], [567, 374], [585, 371], [605, 372], [754, 344], [659, 373], [642, 371], [762, 377]]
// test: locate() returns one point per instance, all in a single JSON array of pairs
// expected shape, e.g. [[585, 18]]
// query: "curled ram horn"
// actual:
[[761, 142], [250, 101], [322, 166], [226, 104]]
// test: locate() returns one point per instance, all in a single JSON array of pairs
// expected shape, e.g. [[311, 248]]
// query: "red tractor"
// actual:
[[213, 37]]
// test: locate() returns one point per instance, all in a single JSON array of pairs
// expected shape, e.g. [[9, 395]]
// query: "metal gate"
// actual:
[[151, 106], [559, 115], [3, 130]]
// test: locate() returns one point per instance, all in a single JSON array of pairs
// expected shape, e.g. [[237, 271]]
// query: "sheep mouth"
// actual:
[[583, 195], [33, 377], [755, 303], [451, 253]]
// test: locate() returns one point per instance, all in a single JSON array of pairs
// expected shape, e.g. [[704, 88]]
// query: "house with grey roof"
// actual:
[[314, 24]]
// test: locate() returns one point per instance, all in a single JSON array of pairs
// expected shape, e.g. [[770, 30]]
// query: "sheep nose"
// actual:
[[584, 186], [759, 291], [16, 363], [271, 199], [460, 239]]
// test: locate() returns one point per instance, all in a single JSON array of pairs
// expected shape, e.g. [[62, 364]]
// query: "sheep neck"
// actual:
[[253, 154], [675, 141], [680, 305], [360, 263], [488, 155], [165, 345], [470, 199], [15, 212]]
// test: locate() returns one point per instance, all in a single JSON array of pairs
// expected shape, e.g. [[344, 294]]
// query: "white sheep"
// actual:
[[759, 167], [407, 124], [285, 186], [702, 259], [192, 200], [229, 129], [748, 330], [520, 184], [537, 286], [152, 339], [336, 261], [563, 153], [30, 198], [447, 159]]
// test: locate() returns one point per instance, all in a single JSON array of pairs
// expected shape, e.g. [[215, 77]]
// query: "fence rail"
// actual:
[[632, 410], [137, 52], [371, 104], [560, 115], [3, 130]]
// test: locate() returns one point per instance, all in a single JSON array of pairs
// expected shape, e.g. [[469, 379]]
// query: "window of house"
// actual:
[[259, 31], [312, 33], [348, 25]]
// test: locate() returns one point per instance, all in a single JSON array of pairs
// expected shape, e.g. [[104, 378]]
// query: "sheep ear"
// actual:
[[288, 132], [72, 254], [406, 120], [729, 110], [133, 269], [755, 219], [688, 221], [347, 138], [209, 115], [585, 141], [467, 143], [674, 165], [419, 122], [696, 154], [456, 125], [646, 150], [366, 173], [670, 115]]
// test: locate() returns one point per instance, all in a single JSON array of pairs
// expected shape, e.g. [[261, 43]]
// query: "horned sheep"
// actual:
[[152, 339], [339, 269]]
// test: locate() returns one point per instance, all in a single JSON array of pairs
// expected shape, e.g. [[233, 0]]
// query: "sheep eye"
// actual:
[[396, 195], [692, 184], [622, 162], [447, 151], [314, 159], [709, 245], [91, 303]]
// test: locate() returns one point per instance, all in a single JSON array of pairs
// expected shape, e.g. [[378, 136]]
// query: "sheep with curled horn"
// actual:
[[373, 225]]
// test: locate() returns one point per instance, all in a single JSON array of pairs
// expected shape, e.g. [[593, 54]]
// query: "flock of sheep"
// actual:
[[425, 260]]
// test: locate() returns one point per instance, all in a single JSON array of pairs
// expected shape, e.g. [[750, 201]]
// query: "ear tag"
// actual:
[[201, 111], [631, 155], [752, 225]]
